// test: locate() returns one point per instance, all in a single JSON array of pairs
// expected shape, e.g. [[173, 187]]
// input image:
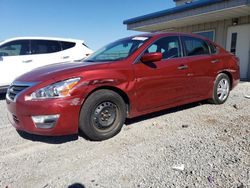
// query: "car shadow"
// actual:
[[2, 96], [163, 112], [48, 139], [76, 185], [69, 138]]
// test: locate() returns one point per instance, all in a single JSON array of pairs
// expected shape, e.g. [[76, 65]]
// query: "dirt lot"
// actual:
[[210, 145]]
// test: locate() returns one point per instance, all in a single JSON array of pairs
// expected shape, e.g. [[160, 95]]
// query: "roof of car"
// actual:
[[162, 34], [43, 38]]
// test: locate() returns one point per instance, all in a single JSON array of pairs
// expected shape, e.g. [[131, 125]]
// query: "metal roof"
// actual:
[[212, 12], [181, 8]]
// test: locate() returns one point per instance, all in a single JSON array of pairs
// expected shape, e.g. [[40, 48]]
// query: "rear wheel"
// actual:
[[102, 115], [221, 89]]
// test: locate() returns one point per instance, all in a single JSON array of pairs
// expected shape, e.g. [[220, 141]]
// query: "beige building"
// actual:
[[227, 22]]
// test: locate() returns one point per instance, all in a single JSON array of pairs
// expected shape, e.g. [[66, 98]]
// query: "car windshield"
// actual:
[[118, 50]]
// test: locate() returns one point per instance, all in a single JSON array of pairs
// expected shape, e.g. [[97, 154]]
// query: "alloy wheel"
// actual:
[[223, 89]]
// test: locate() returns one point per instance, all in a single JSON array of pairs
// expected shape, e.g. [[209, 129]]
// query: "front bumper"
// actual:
[[68, 109]]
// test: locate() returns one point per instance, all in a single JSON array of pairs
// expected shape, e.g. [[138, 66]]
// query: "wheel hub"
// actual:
[[105, 115], [223, 89]]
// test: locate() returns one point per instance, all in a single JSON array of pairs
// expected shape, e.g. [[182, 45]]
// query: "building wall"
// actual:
[[153, 24], [220, 28]]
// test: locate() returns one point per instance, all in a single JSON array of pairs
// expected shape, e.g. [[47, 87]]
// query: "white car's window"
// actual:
[[67, 45], [15, 48], [44, 46]]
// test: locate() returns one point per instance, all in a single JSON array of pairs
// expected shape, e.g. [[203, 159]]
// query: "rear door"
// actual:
[[201, 64], [70, 52], [163, 82], [45, 52]]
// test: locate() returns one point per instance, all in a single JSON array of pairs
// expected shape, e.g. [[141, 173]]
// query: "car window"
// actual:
[[67, 45], [195, 46], [15, 48], [168, 46], [213, 48], [44, 46]]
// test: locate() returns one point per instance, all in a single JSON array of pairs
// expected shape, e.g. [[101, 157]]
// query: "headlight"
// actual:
[[56, 90]]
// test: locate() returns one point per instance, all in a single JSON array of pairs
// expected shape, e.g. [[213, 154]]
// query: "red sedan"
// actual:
[[130, 77]]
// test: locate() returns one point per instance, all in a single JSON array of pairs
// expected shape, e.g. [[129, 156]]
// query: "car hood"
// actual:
[[60, 69]]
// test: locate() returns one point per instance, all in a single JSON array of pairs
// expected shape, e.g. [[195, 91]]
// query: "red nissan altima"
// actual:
[[127, 78]]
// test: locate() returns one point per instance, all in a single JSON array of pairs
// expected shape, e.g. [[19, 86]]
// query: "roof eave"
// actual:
[[177, 9]]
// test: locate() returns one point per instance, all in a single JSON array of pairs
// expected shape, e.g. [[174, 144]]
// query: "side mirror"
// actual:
[[151, 57]]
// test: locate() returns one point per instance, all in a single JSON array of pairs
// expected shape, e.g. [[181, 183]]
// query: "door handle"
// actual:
[[27, 61], [65, 57], [182, 67], [215, 61]]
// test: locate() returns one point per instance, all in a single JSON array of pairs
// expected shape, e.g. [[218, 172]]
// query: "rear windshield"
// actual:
[[118, 50]]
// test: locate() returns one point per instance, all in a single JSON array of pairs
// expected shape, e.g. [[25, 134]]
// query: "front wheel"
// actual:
[[102, 115], [221, 89]]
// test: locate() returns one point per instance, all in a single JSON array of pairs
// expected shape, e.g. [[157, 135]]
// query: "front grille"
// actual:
[[14, 90]]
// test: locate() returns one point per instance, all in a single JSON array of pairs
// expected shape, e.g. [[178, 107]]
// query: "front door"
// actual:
[[238, 42], [14, 60], [163, 82]]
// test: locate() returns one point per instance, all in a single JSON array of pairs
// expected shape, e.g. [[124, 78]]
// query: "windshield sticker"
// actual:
[[140, 38]]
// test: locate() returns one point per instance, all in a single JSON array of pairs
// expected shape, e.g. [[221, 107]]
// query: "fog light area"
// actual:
[[46, 121]]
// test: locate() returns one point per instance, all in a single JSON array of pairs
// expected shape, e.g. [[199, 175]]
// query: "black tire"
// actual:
[[102, 115], [220, 93]]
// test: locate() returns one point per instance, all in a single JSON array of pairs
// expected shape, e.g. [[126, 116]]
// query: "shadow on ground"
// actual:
[[2, 96], [48, 139], [69, 138], [163, 112], [76, 185]]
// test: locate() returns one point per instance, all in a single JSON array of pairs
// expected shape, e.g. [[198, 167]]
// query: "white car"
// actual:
[[22, 54]]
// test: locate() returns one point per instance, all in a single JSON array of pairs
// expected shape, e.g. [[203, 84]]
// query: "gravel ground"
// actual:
[[208, 144]]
